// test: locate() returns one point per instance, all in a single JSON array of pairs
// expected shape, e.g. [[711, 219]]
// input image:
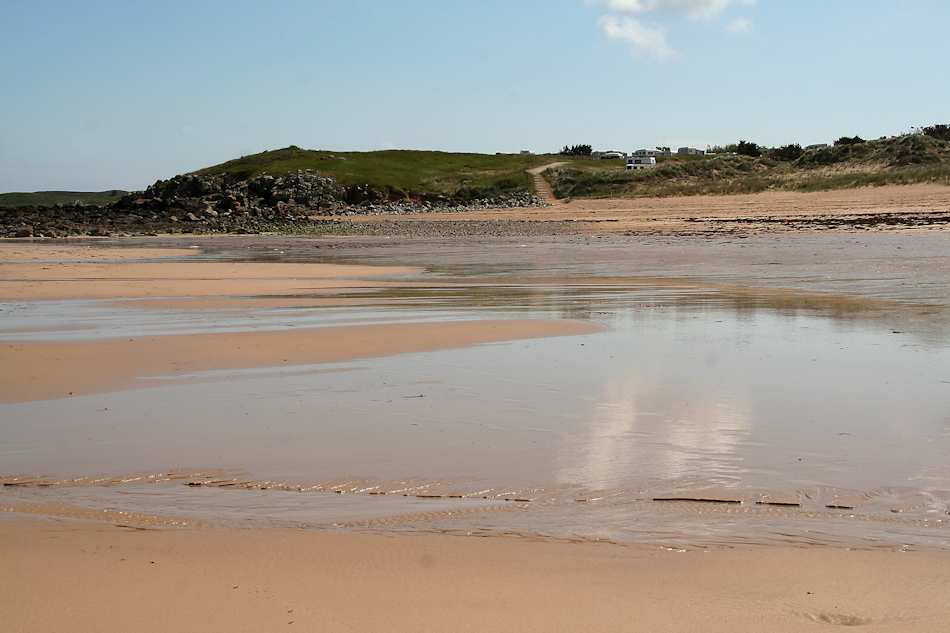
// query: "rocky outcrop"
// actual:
[[190, 203]]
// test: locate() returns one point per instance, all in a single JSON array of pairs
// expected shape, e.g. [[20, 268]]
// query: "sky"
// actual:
[[98, 95]]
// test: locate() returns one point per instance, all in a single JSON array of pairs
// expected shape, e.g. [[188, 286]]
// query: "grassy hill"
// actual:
[[407, 172], [399, 171], [49, 198], [904, 160]]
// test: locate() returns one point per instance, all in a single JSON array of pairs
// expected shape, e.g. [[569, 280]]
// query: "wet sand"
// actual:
[[83, 576], [98, 576], [41, 371], [102, 280]]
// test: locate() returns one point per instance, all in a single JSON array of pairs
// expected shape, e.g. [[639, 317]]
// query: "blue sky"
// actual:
[[117, 94]]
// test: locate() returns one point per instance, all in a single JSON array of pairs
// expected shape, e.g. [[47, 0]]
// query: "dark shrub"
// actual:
[[941, 132], [788, 152], [748, 149], [576, 150], [845, 140]]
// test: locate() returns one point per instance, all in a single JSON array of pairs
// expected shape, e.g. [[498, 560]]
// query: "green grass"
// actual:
[[49, 198], [400, 171]]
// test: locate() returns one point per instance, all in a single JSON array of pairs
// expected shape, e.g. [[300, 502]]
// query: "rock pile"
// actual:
[[212, 204]]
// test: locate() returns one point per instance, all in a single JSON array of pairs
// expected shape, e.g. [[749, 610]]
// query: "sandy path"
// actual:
[[80, 576], [542, 188]]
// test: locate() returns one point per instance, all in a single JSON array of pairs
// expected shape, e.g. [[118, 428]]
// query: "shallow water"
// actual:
[[804, 404]]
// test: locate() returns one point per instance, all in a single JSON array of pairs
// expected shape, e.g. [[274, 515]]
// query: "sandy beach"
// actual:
[[503, 302], [81, 576]]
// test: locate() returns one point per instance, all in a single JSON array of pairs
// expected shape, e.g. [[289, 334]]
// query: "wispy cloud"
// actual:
[[742, 26], [623, 22], [644, 40]]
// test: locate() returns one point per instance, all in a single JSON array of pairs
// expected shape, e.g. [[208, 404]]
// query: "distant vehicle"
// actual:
[[641, 162], [607, 155]]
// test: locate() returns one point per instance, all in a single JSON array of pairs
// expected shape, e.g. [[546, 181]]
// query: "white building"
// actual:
[[641, 162], [691, 151], [656, 151]]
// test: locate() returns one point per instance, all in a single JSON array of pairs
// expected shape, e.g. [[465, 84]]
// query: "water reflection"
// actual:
[[645, 428]]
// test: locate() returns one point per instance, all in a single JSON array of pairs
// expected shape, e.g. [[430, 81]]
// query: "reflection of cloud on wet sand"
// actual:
[[651, 429]]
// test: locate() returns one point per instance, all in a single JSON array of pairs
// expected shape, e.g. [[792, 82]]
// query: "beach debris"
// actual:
[[709, 495], [790, 499], [846, 499]]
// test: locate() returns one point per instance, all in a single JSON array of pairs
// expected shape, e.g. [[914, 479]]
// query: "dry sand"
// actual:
[[769, 211], [87, 576], [82, 576]]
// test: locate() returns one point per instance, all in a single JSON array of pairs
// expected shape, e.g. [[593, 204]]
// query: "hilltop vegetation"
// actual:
[[397, 173], [908, 159], [392, 174]]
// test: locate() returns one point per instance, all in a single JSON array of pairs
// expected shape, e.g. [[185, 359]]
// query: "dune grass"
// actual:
[[906, 160]]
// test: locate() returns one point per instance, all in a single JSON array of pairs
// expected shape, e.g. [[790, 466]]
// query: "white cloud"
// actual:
[[688, 8], [620, 23], [741, 26], [643, 40]]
